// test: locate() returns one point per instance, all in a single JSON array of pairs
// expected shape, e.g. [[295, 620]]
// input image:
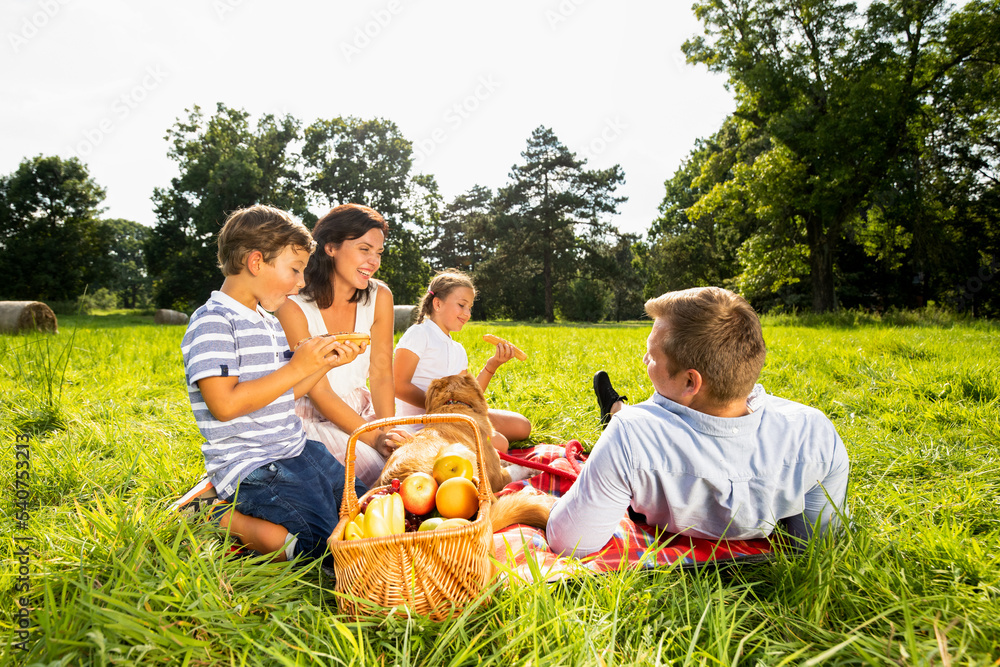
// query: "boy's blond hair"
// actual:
[[265, 228], [443, 284], [715, 332]]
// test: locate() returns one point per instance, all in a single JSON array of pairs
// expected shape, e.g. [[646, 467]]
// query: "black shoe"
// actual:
[[606, 396]]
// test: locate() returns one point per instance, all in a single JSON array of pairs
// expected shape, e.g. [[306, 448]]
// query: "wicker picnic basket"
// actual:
[[433, 573]]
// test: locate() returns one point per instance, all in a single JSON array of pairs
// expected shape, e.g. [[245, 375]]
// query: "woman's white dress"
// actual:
[[350, 383]]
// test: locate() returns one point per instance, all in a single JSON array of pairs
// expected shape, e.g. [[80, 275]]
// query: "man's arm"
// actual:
[[824, 501], [584, 519]]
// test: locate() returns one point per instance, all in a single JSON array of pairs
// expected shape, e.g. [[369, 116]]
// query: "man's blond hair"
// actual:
[[715, 332], [265, 228]]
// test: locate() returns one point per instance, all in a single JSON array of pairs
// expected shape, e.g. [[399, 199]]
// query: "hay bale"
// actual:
[[18, 316], [166, 316], [403, 317]]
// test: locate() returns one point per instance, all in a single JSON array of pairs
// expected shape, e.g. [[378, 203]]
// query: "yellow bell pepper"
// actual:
[[353, 532], [377, 524], [397, 514]]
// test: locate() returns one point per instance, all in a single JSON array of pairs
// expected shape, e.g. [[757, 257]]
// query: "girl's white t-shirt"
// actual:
[[438, 356]]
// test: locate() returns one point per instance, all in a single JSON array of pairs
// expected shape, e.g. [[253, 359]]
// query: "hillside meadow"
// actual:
[[115, 578]]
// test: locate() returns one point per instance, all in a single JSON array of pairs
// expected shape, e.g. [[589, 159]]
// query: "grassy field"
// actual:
[[116, 579]]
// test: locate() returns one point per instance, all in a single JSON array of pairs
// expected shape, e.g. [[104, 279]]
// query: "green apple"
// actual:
[[431, 523]]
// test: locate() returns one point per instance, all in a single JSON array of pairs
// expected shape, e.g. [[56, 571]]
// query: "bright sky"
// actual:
[[466, 81]]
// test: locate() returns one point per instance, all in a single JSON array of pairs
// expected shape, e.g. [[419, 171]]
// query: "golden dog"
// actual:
[[460, 394]]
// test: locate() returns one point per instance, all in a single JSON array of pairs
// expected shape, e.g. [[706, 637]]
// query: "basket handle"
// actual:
[[350, 501]]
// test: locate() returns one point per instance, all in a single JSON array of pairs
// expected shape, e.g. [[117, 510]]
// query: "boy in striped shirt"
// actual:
[[283, 490]]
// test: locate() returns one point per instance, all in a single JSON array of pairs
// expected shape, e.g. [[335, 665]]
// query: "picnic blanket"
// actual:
[[524, 554]]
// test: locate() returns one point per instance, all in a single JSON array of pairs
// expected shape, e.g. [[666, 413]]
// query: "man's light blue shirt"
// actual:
[[705, 476]]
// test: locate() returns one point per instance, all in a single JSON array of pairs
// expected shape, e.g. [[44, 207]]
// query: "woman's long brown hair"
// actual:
[[342, 223]]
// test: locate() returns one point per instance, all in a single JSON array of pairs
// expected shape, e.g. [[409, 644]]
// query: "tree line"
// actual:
[[541, 246], [860, 168]]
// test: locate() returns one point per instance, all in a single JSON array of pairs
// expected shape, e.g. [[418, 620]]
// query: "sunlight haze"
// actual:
[[465, 82]]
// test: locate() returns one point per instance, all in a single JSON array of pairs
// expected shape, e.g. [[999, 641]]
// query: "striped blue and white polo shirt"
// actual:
[[225, 338]]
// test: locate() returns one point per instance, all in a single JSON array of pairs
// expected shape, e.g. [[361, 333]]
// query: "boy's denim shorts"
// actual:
[[302, 494]]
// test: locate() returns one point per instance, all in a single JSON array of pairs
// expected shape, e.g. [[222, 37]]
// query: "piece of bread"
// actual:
[[353, 336], [496, 340], [345, 336]]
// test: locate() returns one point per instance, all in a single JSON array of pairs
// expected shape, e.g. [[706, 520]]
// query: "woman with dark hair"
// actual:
[[340, 295]]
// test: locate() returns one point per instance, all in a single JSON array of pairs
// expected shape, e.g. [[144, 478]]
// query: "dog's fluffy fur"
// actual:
[[460, 394]]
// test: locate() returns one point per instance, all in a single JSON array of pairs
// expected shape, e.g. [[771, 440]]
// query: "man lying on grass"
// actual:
[[710, 454], [243, 382]]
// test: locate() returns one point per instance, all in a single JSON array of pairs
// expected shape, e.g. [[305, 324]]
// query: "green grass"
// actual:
[[117, 579]]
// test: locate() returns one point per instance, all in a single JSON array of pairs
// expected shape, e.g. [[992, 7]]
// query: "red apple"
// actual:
[[451, 465], [418, 492]]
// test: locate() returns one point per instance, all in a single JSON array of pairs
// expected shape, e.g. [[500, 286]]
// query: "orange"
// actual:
[[457, 497]]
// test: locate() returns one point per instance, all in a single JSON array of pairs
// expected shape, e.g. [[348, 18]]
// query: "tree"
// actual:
[[956, 241], [350, 160], [225, 164], [130, 280], [461, 237], [550, 200], [618, 266], [839, 95], [51, 243], [685, 250]]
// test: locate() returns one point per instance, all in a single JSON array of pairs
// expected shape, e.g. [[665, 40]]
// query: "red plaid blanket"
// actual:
[[524, 554]]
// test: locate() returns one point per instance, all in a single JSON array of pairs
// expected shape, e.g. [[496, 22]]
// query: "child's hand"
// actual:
[[503, 354], [323, 352], [345, 353]]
